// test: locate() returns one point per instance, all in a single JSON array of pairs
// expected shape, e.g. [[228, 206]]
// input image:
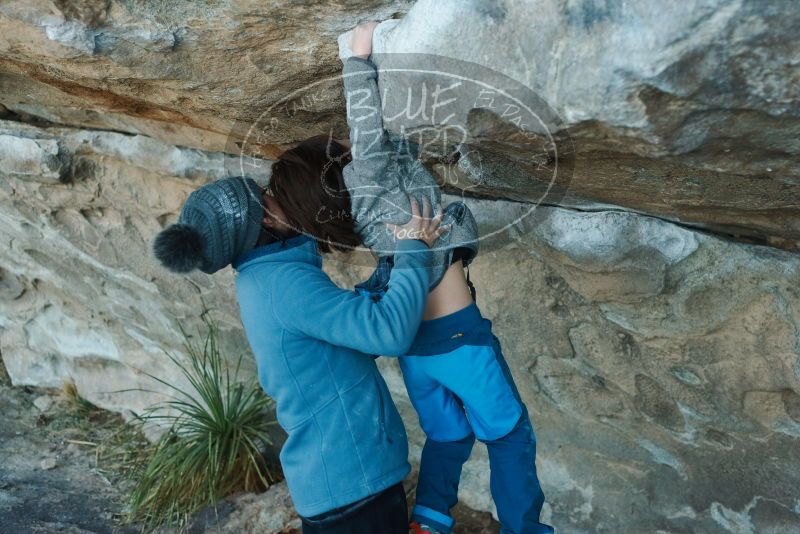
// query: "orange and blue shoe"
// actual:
[[416, 528]]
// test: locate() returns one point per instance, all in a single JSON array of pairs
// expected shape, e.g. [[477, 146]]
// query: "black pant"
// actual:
[[382, 513]]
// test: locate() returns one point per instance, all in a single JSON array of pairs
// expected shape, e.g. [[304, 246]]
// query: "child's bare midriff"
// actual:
[[450, 295]]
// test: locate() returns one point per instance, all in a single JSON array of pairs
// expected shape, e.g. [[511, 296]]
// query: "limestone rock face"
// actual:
[[82, 298], [270, 512], [686, 111], [660, 363], [184, 71], [667, 106]]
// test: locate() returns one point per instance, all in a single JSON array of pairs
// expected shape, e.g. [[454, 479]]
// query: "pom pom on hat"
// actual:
[[179, 248], [218, 222]]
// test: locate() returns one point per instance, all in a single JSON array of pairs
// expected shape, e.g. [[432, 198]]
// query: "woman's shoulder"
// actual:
[[282, 277]]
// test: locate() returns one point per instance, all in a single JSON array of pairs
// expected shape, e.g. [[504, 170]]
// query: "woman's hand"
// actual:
[[361, 39], [421, 227]]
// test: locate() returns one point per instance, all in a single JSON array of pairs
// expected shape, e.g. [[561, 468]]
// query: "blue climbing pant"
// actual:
[[462, 389]]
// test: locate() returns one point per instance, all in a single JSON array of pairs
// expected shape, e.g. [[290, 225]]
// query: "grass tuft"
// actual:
[[78, 405], [218, 431]]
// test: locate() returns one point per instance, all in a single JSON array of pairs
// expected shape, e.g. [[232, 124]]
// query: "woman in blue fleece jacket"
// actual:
[[346, 452]]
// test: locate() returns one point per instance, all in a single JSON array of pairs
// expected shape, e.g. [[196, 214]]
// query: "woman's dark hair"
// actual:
[[307, 184]]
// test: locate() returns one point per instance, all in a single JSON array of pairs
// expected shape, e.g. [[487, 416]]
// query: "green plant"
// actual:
[[213, 447]]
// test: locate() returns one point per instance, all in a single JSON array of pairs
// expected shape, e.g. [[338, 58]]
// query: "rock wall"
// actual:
[[660, 362], [687, 112], [660, 367], [81, 297]]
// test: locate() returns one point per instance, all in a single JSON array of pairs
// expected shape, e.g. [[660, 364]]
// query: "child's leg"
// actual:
[[469, 363], [437, 485], [515, 486], [448, 445], [512, 458]]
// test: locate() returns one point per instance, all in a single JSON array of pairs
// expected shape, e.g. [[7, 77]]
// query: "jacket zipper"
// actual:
[[382, 411]]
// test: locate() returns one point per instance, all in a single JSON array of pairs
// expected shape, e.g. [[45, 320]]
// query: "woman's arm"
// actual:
[[314, 306]]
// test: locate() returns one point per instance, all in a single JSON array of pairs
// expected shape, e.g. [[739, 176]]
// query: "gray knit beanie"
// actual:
[[218, 222]]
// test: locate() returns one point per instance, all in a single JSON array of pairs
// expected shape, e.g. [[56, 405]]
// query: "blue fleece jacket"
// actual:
[[313, 343]]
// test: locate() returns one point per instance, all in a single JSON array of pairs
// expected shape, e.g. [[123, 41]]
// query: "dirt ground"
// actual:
[[60, 469], [49, 477]]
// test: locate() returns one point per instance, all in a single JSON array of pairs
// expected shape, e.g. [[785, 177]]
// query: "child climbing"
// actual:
[[455, 373]]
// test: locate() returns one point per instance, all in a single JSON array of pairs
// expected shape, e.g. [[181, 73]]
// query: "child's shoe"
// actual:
[[416, 528]]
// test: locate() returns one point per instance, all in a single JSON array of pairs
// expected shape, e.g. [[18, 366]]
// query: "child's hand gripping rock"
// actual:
[[361, 39]]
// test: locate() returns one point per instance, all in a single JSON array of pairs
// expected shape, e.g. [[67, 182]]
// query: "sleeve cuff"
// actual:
[[355, 65]]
